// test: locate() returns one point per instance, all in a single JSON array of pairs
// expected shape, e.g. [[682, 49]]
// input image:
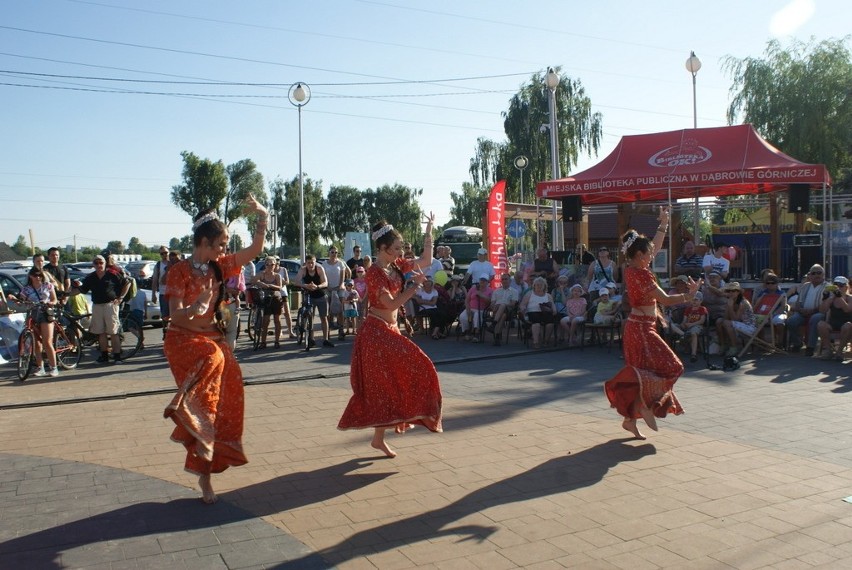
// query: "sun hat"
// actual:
[[677, 278], [840, 280], [603, 292], [576, 286], [483, 276], [482, 251], [732, 286]]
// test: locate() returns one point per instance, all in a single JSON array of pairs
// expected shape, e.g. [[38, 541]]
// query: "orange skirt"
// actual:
[[394, 383], [651, 370], [208, 407]]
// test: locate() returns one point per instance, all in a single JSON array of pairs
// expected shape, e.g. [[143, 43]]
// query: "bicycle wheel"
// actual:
[[252, 313], [258, 328], [26, 348], [306, 326], [131, 337], [67, 346]]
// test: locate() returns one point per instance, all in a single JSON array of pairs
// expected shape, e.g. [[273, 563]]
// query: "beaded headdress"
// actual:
[[381, 231], [203, 220], [626, 245]]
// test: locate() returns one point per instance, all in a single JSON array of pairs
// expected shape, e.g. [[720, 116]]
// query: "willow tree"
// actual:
[[526, 124], [799, 99]]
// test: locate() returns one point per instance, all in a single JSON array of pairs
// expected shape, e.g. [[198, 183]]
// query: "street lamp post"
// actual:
[[693, 64], [299, 95], [552, 81], [521, 163]]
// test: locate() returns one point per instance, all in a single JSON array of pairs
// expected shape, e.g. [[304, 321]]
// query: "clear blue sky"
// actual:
[[104, 154]]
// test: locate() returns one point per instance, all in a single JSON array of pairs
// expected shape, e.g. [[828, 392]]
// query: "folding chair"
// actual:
[[763, 313]]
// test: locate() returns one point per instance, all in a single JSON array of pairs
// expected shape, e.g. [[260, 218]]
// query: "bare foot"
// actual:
[[379, 443], [649, 418], [207, 493], [402, 428], [630, 425]]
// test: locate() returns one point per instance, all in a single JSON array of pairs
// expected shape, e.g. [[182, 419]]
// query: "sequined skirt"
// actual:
[[394, 383]]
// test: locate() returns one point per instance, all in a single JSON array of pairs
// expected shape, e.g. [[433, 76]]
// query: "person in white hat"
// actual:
[[837, 308], [479, 266]]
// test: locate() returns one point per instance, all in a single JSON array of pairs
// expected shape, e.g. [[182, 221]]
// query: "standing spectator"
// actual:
[[360, 284], [689, 263], [601, 272], [249, 271], [285, 299], [356, 260], [503, 302], [107, 289], [336, 273], [434, 268], [234, 287], [314, 282], [57, 272], [545, 266], [717, 262], [805, 311], [447, 259], [270, 280], [41, 290], [478, 267], [159, 290]]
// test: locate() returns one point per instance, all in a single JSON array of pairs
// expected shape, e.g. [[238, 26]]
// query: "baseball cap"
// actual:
[[603, 292], [840, 280], [482, 251], [483, 276]]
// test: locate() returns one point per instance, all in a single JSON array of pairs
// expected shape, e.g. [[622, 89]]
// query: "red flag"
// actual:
[[495, 231]]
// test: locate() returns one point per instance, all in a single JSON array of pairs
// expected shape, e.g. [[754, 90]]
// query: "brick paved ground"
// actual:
[[533, 470]]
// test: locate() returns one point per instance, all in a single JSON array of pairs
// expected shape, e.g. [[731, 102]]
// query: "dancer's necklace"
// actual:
[[202, 267]]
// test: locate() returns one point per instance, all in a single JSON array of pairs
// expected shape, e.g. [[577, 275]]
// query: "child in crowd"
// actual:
[[361, 289], [692, 325], [350, 307], [575, 306], [607, 310]]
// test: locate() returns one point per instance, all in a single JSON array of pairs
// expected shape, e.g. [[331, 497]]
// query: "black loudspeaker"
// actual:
[[799, 198], [572, 209]]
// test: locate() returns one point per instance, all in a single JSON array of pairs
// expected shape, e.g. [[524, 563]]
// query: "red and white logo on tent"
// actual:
[[688, 152]]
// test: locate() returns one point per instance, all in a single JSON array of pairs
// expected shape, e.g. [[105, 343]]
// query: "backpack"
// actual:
[[131, 293]]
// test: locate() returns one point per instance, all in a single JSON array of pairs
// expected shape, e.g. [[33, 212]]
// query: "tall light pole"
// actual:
[[521, 163], [299, 95], [693, 64], [552, 81]]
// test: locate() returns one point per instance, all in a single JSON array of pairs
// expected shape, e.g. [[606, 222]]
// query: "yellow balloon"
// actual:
[[441, 278]]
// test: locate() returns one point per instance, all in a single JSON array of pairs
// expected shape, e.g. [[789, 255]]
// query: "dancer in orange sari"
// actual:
[[644, 388], [394, 383], [208, 406]]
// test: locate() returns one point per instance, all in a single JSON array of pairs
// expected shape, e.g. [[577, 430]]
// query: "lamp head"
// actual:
[[693, 64], [551, 79], [299, 93], [521, 162]]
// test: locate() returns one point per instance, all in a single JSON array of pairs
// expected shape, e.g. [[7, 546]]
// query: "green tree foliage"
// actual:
[[236, 243], [468, 206], [799, 99], [344, 213], [288, 213], [174, 243], [244, 179], [20, 247], [579, 131], [115, 246], [135, 246], [400, 206], [205, 185]]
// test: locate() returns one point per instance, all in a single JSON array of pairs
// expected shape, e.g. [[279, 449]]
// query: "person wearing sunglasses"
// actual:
[[837, 305], [106, 288], [805, 311]]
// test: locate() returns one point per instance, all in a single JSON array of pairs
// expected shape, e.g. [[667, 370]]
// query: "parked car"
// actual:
[[142, 271]]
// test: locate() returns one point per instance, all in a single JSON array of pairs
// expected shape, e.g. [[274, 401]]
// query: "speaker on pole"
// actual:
[[799, 198], [572, 209]]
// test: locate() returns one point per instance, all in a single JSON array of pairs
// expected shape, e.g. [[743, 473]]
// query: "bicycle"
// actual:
[[305, 321], [130, 332], [257, 312], [68, 349]]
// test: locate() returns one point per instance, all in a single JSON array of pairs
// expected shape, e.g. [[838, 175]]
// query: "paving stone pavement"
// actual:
[[533, 470]]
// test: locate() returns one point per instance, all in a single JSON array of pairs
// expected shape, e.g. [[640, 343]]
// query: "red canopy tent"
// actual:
[[719, 161]]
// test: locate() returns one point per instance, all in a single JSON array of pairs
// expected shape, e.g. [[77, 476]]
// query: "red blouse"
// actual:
[[183, 283], [378, 280], [640, 286]]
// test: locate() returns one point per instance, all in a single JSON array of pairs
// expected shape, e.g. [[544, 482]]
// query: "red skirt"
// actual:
[[651, 370], [393, 382]]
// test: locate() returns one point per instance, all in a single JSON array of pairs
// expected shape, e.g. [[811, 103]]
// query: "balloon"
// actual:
[[441, 277], [730, 254]]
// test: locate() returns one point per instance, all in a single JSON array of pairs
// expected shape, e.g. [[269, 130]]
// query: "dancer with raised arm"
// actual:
[[208, 406], [394, 383], [644, 388]]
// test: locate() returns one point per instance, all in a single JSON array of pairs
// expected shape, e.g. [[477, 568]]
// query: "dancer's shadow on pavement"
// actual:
[[558, 475], [97, 537]]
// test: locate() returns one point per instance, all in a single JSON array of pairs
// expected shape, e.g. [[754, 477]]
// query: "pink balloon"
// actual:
[[730, 254]]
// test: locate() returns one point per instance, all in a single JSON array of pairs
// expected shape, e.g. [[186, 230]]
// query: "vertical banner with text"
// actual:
[[495, 228]]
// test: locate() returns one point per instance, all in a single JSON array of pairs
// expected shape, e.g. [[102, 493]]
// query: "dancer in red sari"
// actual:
[[644, 388], [208, 407], [394, 383]]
